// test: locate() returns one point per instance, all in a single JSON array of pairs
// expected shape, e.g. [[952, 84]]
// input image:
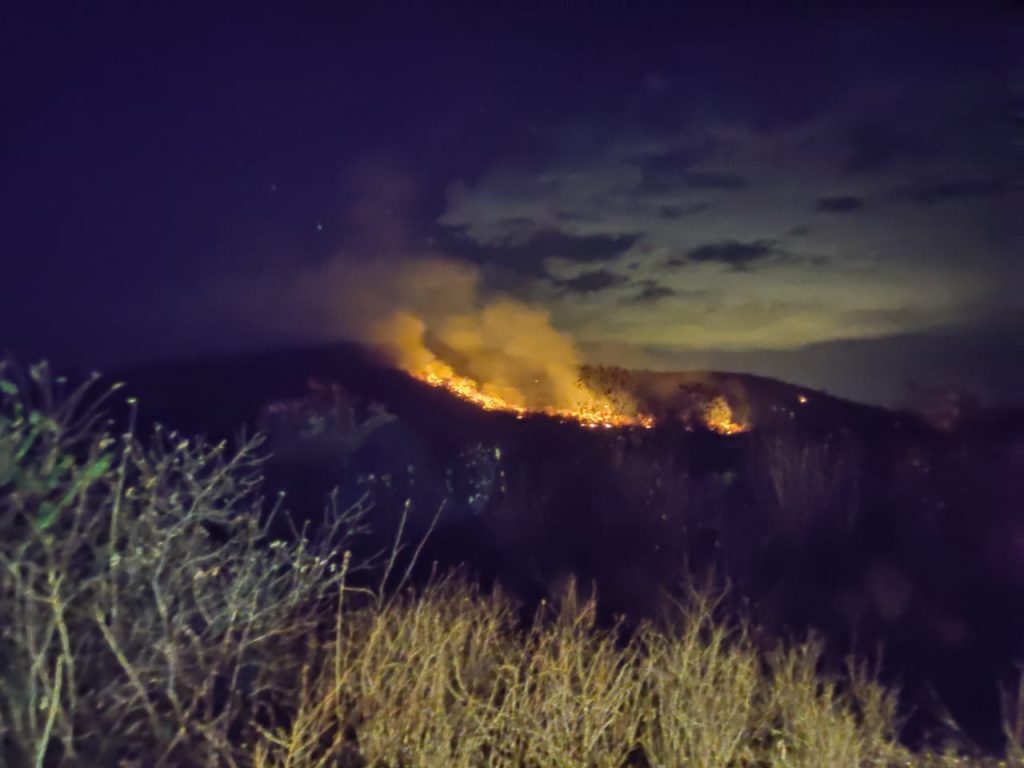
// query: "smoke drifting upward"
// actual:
[[430, 317]]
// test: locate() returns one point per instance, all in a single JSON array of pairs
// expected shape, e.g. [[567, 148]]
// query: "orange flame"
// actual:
[[556, 390], [592, 410], [718, 416], [503, 355]]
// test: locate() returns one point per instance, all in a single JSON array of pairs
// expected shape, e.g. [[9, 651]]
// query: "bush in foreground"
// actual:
[[149, 620]]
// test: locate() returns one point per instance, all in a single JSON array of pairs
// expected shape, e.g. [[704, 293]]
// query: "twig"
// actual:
[[51, 715], [154, 720], [419, 547]]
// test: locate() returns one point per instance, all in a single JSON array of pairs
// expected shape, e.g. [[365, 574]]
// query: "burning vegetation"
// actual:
[[718, 416], [431, 319], [578, 400], [555, 389]]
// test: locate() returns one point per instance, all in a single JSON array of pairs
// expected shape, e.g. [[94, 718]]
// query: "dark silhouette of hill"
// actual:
[[863, 523], [215, 395]]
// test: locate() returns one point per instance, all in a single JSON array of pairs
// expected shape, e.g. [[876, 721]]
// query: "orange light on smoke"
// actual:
[[507, 357]]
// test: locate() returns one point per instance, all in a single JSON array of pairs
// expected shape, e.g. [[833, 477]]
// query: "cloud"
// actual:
[[678, 211], [714, 180], [527, 253], [873, 149], [666, 180], [650, 292], [964, 188], [672, 169], [676, 161], [590, 282], [839, 204], [737, 255], [732, 207]]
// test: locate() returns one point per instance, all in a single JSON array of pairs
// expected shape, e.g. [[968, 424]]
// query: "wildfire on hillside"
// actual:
[[516, 378], [591, 410], [433, 321], [519, 379], [718, 416]]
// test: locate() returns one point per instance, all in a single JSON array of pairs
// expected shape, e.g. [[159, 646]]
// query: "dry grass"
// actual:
[[805, 478], [148, 621], [446, 679]]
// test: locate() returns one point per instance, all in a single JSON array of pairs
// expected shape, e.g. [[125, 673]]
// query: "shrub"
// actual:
[[146, 616], [446, 678], [150, 621]]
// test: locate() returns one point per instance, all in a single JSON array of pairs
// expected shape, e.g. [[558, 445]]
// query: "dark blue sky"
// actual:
[[827, 198]]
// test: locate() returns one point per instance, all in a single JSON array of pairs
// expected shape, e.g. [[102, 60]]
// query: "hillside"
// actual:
[[217, 394], [862, 523]]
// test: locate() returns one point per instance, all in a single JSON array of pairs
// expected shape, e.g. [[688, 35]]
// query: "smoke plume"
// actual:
[[430, 315]]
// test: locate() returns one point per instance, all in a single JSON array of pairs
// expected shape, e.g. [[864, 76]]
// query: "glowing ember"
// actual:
[[718, 417], [591, 410]]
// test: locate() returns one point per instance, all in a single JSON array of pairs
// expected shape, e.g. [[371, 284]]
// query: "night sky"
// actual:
[[824, 198]]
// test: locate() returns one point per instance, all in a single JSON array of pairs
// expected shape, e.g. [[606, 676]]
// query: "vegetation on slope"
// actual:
[[149, 619]]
